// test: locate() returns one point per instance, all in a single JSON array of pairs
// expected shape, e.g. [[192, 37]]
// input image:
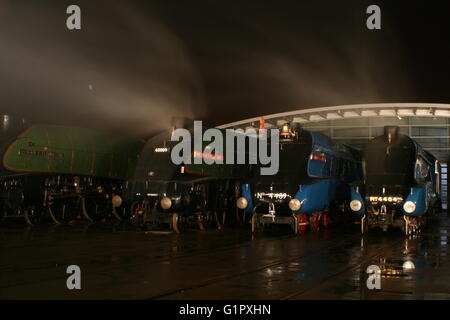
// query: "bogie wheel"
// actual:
[[178, 223], [239, 216], [33, 215], [254, 223], [364, 224], [138, 211], [257, 226]]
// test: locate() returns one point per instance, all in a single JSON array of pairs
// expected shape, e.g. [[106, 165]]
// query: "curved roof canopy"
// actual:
[[427, 123]]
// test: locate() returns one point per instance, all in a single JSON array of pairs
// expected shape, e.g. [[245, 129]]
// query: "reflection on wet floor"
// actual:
[[122, 262]]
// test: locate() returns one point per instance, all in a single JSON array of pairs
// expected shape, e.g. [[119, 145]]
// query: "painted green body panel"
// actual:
[[72, 150]]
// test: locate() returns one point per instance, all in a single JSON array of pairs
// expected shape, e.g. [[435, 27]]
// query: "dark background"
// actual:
[[135, 64]]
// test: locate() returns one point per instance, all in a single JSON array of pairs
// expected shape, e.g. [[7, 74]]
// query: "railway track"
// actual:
[[184, 291], [206, 261]]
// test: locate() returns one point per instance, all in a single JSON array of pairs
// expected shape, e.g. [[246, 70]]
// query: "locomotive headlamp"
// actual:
[[408, 265], [165, 203], [286, 131], [295, 204], [409, 207], [116, 201], [355, 205], [242, 203]]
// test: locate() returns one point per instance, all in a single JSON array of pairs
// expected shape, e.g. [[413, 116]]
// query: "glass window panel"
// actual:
[[429, 131], [351, 122], [427, 121], [350, 132], [388, 121]]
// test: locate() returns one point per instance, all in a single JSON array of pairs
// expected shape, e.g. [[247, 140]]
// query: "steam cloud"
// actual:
[[122, 71]]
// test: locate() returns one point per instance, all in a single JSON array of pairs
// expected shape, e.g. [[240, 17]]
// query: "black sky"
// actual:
[[135, 64]]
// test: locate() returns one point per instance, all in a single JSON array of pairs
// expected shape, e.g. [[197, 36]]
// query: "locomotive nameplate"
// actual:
[[39, 153]]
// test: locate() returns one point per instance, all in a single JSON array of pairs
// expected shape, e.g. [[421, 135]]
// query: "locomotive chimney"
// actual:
[[182, 122], [390, 133]]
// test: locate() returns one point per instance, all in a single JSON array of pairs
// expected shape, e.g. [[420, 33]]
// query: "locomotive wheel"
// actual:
[[302, 223], [295, 226], [3, 210], [326, 221], [364, 224], [239, 219], [201, 220], [315, 222], [254, 223], [64, 210], [138, 210], [95, 209], [9, 210], [33, 215], [178, 223], [216, 218], [206, 218], [242, 217]]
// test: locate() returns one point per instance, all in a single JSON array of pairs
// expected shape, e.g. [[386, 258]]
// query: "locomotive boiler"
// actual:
[[401, 183], [315, 174], [62, 172]]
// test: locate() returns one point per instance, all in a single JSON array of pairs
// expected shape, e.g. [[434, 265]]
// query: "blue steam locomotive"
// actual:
[[315, 175], [401, 183]]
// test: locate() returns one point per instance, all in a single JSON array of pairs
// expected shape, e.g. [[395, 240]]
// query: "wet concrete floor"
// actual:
[[118, 261]]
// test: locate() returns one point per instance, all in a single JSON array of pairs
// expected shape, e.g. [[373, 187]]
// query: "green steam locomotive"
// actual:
[[64, 173]]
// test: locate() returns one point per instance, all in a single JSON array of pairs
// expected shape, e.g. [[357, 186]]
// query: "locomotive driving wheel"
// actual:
[[302, 223], [96, 208], [325, 220], [33, 214], [314, 221], [64, 210]]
